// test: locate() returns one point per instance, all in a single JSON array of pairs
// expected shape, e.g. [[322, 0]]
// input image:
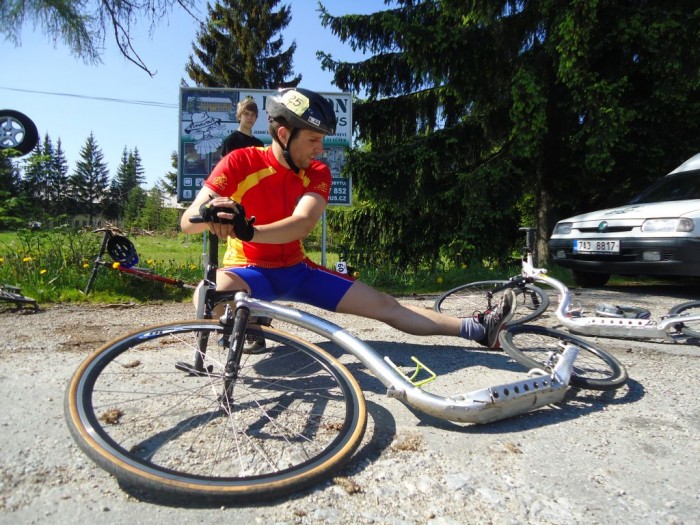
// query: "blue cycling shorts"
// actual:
[[306, 282]]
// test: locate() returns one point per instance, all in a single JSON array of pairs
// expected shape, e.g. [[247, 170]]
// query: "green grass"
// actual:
[[54, 266]]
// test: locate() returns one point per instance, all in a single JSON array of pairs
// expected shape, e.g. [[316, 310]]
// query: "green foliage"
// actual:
[[533, 111], [55, 265], [83, 26], [90, 180], [239, 46]]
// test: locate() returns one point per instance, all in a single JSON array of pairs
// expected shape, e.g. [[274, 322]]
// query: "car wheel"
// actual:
[[17, 131], [590, 280]]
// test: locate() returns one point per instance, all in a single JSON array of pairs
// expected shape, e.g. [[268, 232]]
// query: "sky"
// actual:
[[67, 98]]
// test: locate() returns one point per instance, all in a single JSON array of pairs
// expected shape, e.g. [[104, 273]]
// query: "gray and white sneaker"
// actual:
[[254, 345], [495, 320]]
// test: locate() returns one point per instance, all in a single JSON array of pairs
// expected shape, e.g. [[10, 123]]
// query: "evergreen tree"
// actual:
[[168, 184], [507, 113], [133, 206], [90, 180], [57, 182], [35, 182], [240, 46], [130, 174], [12, 205]]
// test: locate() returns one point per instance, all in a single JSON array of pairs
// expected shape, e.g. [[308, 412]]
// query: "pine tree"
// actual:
[[35, 180], [90, 180], [12, 204], [483, 116], [168, 184], [240, 46], [57, 182]]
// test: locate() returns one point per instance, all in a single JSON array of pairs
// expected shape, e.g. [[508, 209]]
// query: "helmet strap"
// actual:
[[285, 149]]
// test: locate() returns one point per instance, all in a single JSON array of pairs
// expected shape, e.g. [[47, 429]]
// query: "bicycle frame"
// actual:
[[623, 328], [480, 406], [135, 271]]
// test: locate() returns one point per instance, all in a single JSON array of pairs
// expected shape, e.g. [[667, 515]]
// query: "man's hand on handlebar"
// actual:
[[226, 218]]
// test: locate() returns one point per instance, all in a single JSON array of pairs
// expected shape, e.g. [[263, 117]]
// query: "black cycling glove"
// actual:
[[241, 226]]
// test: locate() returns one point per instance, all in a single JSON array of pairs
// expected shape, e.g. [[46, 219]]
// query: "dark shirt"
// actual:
[[237, 140]]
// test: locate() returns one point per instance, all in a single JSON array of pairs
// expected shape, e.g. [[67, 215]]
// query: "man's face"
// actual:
[[248, 117], [306, 146]]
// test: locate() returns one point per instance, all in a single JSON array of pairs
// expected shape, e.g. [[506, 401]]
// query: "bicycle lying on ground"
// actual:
[[235, 426], [627, 322], [13, 294], [124, 258]]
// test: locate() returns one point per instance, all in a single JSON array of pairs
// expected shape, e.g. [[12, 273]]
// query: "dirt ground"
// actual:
[[627, 456]]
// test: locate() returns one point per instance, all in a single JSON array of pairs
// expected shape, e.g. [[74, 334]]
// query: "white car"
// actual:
[[657, 233]]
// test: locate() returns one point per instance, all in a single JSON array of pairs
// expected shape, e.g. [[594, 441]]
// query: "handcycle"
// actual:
[[231, 426], [680, 323], [124, 259]]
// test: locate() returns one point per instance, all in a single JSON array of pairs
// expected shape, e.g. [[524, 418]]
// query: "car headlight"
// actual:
[[562, 228], [682, 224]]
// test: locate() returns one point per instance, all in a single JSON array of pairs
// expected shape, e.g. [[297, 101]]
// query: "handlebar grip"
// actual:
[[196, 219]]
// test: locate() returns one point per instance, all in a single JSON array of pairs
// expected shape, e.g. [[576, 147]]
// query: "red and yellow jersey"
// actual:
[[270, 192]]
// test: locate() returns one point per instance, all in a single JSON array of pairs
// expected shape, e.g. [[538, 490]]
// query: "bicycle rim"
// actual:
[[689, 328], [539, 347], [298, 414], [464, 300]]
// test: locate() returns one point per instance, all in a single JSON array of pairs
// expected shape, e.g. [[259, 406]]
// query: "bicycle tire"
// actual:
[[538, 346], [466, 299], [692, 328], [298, 417]]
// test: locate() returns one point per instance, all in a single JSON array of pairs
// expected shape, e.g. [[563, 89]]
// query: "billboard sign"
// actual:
[[208, 115]]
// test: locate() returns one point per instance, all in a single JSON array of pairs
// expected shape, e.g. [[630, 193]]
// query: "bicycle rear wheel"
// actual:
[[540, 347], [297, 417], [464, 300], [689, 328]]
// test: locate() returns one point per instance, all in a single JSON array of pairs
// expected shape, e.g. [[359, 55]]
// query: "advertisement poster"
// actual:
[[208, 116]]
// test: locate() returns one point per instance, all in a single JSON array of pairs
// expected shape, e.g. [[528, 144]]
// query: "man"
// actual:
[[247, 114], [284, 189]]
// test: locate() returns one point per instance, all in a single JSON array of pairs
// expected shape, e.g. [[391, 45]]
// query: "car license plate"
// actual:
[[596, 246]]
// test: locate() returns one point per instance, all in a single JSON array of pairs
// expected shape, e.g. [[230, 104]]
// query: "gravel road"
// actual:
[[628, 456]]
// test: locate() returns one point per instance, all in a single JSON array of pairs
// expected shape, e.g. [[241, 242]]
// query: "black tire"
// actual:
[[298, 415], [690, 328], [17, 131], [538, 347], [590, 279], [464, 300]]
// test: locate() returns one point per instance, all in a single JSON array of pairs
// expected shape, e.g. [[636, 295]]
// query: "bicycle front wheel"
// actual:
[[297, 414], [464, 300], [689, 328], [540, 347]]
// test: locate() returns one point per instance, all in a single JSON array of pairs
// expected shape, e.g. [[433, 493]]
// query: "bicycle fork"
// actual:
[[234, 341]]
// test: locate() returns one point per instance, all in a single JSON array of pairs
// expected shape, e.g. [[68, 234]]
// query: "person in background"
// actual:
[[247, 114], [265, 201]]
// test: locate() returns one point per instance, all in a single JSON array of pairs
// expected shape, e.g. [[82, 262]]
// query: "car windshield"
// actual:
[[672, 188]]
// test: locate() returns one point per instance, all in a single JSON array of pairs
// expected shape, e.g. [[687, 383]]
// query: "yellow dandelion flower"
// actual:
[[42, 272], [27, 259], [86, 265], [439, 280], [115, 265]]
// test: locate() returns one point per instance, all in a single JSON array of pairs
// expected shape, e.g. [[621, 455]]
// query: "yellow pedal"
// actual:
[[420, 367]]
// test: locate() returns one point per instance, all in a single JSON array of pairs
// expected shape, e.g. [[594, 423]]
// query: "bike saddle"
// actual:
[[122, 250]]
